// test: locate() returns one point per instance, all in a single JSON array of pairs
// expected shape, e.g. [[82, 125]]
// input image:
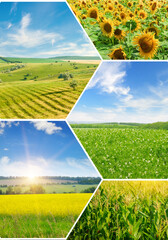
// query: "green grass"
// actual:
[[127, 152], [122, 210], [41, 215], [105, 125], [45, 97], [58, 188], [31, 226], [46, 60]]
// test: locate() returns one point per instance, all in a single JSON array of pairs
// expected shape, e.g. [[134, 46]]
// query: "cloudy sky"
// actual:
[[41, 148], [125, 92], [41, 30]]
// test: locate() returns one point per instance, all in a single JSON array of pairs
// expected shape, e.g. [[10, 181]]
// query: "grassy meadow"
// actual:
[[123, 210], [34, 90], [126, 151], [123, 29], [39, 215]]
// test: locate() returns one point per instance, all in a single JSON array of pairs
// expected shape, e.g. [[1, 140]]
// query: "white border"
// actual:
[[84, 208], [85, 88], [84, 31]]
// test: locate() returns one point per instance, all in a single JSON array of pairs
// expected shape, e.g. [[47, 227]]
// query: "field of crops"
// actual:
[[35, 91], [127, 153], [123, 29], [41, 216], [123, 210], [57, 188]]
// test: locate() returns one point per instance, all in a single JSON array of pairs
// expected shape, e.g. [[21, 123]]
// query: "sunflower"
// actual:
[[107, 28], [142, 14], [119, 34], [110, 7], [129, 4], [117, 54], [123, 16], [154, 7], [152, 29], [146, 44], [93, 13], [131, 15], [132, 24], [83, 16], [77, 13]]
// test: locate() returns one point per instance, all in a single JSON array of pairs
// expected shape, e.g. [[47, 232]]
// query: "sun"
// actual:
[[31, 176]]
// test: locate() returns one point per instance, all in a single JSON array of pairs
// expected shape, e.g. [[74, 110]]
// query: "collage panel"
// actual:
[[83, 139], [121, 120], [46, 179], [123, 30], [125, 210], [45, 62]]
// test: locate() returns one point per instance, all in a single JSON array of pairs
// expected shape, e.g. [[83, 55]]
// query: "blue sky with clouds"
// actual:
[[41, 148], [125, 92], [45, 29]]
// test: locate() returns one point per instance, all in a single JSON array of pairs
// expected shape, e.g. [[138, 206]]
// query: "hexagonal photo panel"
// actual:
[[46, 179], [125, 210], [123, 30], [122, 120], [46, 60]]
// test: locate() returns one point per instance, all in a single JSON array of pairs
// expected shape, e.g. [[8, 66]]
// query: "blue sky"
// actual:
[[41, 148], [125, 92], [34, 29]]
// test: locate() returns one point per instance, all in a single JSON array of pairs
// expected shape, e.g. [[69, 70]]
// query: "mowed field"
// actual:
[[35, 91], [127, 152], [125, 210], [41, 215]]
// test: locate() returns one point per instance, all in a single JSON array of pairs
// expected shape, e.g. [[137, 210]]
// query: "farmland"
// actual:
[[21, 185], [125, 210], [126, 152], [125, 29], [39, 215], [34, 90]]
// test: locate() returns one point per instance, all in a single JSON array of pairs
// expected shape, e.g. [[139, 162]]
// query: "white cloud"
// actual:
[[6, 149], [47, 127], [52, 42], [116, 116], [71, 49], [36, 166], [110, 78], [9, 25], [13, 8], [4, 160], [28, 38]]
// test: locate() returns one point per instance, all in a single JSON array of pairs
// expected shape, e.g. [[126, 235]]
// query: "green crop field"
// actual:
[[125, 210], [58, 188], [35, 91], [41, 215], [127, 152]]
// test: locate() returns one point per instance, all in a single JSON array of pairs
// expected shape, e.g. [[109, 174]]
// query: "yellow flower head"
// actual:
[[117, 54], [142, 14], [93, 13], [146, 44], [107, 28], [119, 34]]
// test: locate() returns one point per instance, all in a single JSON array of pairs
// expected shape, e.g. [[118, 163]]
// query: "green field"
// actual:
[[46, 60], [125, 210], [58, 188], [39, 216], [35, 91], [127, 152]]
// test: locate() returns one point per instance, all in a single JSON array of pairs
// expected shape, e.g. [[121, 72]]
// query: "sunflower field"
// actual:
[[125, 29]]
